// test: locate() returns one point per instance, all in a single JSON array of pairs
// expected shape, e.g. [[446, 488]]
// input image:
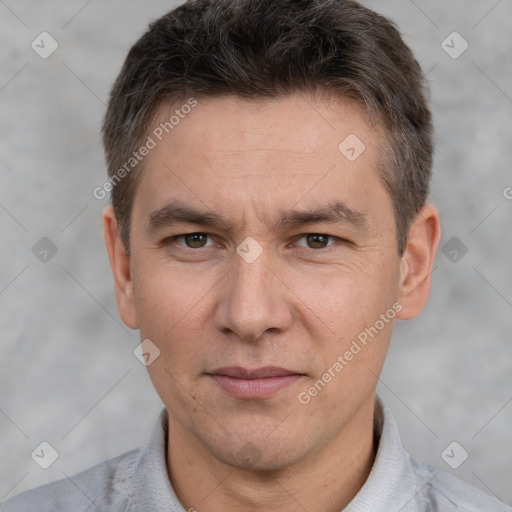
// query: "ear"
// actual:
[[120, 263], [417, 261]]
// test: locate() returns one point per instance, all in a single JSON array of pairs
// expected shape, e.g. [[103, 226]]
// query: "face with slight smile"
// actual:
[[250, 310]]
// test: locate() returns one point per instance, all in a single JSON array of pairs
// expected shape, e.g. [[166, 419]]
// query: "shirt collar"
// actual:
[[391, 484]]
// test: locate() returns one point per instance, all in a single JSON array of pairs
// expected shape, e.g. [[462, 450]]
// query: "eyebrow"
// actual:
[[334, 212]]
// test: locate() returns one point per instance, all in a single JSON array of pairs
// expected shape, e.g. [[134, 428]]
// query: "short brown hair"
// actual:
[[270, 48]]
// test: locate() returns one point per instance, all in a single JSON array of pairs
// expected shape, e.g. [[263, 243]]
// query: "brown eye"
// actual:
[[316, 240], [195, 240], [192, 240]]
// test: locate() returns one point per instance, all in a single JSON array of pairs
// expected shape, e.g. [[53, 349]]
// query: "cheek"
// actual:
[[164, 296], [343, 309], [168, 307], [347, 296], [167, 311]]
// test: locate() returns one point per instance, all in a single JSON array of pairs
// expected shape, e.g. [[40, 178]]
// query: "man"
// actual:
[[269, 163]]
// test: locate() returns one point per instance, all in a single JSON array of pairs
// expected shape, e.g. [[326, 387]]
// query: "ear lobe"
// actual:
[[120, 264], [417, 262]]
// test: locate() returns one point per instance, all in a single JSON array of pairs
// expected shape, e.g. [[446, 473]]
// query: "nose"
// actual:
[[253, 300]]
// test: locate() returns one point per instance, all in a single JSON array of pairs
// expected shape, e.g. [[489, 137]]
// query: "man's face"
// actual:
[[218, 305]]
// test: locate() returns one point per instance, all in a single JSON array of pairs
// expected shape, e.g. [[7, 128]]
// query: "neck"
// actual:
[[325, 481]]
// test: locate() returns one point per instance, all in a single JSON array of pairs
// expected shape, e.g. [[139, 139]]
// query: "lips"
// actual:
[[253, 384], [259, 373]]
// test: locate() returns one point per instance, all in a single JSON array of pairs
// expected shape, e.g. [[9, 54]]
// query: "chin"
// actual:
[[257, 453]]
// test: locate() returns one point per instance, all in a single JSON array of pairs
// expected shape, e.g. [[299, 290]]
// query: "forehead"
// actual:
[[265, 154], [300, 123]]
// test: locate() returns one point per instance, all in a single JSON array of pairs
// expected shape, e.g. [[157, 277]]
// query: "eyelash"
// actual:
[[175, 238]]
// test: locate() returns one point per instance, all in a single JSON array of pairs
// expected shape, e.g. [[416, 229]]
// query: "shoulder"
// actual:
[[440, 490], [101, 487]]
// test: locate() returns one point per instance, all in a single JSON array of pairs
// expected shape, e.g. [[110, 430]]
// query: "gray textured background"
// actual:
[[67, 372]]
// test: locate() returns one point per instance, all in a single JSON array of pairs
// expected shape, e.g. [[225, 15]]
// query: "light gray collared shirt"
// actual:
[[137, 481]]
